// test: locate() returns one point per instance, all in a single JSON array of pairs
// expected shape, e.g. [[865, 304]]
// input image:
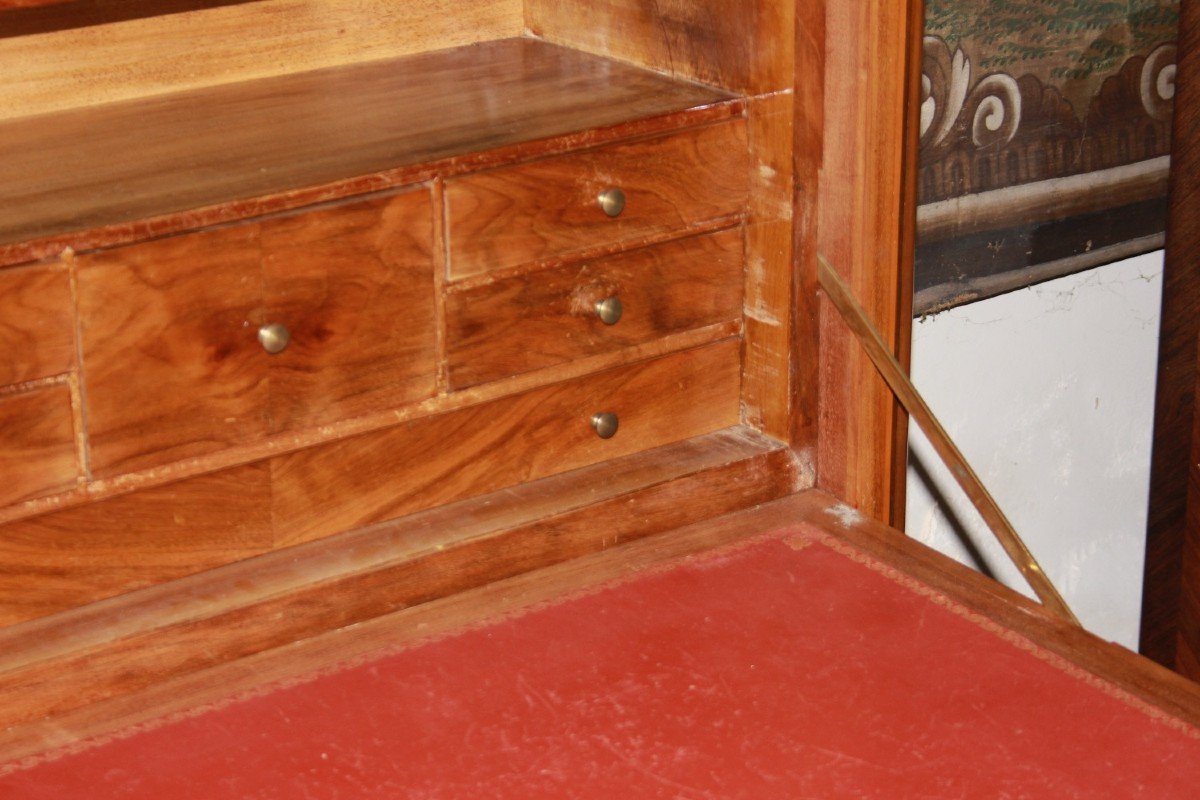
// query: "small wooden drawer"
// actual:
[[171, 330], [38, 455], [37, 328], [548, 317], [551, 209], [468, 452]]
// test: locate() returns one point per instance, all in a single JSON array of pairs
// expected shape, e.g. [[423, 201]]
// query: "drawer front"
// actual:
[[37, 327], [68, 558], [469, 452], [354, 286], [549, 317], [550, 209], [38, 455], [170, 365], [173, 363]]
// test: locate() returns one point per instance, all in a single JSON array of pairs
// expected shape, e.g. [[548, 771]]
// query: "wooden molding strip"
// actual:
[[126, 644]]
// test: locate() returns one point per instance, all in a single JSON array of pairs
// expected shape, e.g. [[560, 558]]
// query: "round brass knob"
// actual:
[[605, 424], [274, 338], [609, 310], [612, 201]]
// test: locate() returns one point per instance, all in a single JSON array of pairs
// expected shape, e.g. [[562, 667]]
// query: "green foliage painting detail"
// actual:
[[1069, 40]]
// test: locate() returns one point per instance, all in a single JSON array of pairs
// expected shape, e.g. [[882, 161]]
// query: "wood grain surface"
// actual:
[[366, 479], [82, 66], [66, 559], [38, 455], [25, 17], [771, 371], [548, 209], [867, 224], [37, 327], [192, 158], [354, 286], [1170, 632], [173, 366], [537, 319], [732, 43], [75, 661]]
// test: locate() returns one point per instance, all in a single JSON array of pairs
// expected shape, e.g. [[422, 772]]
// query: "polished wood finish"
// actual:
[[172, 367], [548, 209], [538, 319], [190, 159], [235, 43], [174, 323], [37, 444], [63, 560], [1171, 588], [732, 43], [366, 479], [867, 214], [37, 324], [354, 286], [914, 404], [82, 661]]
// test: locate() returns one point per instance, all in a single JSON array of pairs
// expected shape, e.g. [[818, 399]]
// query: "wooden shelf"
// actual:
[[115, 173]]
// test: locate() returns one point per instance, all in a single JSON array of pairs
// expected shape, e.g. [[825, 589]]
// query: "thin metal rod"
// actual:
[[904, 390]]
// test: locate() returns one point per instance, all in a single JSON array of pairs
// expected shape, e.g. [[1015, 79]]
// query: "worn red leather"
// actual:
[[781, 669]]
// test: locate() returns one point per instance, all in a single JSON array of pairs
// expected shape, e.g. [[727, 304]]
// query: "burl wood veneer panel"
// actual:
[[242, 150], [354, 285], [37, 326], [741, 44], [136, 58], [38, 455], [69, 558], [173, 365], [428, 462], [538, 319], [548, 209]]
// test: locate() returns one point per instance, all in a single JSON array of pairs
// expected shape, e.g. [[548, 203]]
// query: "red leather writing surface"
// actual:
[[762, 672]]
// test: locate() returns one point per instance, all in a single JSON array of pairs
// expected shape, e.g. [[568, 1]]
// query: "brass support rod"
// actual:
[[904, 390]]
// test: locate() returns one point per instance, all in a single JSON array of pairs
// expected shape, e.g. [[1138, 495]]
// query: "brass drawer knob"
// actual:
[[605, 424], [612, 201], [609, 310], [274, 338]]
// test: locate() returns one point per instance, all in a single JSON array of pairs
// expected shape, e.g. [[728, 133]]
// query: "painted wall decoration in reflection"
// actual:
[[1045, 140]]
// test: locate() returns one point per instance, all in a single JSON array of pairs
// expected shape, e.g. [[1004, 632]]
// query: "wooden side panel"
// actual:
[[739, 44], [172, 368], [428, 462], [37, 327], [538, 319], [548, 209], [1168, 635], [354, 286], [65, 559], [101, 64], [867, 222], [770, 371], [38, 455]]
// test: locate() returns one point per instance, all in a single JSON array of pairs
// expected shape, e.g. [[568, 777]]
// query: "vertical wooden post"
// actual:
[[866, 225]]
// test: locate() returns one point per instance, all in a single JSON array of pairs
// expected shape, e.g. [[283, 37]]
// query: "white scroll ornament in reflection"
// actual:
[[1158, 82], [991, 110]]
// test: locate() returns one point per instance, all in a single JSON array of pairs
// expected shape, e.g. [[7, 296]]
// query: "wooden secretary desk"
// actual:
[[312, 314]]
